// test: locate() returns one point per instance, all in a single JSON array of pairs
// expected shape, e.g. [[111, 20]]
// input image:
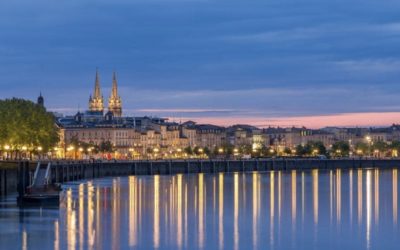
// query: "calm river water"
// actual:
[[346, 209]]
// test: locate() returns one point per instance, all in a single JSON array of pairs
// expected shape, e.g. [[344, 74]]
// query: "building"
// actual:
[[114, 102]]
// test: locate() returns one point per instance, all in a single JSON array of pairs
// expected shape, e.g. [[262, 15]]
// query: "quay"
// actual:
[[16, 176]]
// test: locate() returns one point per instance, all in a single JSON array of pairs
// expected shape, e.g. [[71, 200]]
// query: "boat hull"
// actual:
[[41, 200]]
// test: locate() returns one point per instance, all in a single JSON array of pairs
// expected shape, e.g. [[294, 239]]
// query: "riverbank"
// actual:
[[65, 171]]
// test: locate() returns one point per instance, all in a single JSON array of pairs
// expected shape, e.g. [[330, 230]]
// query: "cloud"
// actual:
[[205, 58], [371, 65]]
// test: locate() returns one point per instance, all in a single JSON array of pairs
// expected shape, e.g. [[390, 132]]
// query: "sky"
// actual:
[[311, 63]]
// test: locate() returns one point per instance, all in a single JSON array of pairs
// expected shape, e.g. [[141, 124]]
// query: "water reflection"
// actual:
[[394, 192], [279, 210]]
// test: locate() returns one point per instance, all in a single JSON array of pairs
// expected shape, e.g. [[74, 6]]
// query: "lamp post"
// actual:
[[369, 141], [6, 148], [39, 149]]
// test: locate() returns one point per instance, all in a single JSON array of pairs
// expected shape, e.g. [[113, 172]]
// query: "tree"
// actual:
[[395, 148], [311, 148], [317, 147], [341, 148], [287, 151], [207, 151], [380, 147], [107, 147], [26, 125], [188, 150], [362, 148]]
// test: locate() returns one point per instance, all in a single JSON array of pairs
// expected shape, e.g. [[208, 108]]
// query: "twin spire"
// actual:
[[96, 102]]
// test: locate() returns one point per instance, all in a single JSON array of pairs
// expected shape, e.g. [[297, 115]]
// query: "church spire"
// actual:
[[97, 91], [114, 93], [96, 101], [114, 102]]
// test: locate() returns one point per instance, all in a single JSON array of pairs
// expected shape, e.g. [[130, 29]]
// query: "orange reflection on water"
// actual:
[[56, 235], [376, 192], [115, 213], [394, 187], [272, 208], [236, 211], [132, 211], [81, 201], [351, 195], [156, 224], [315, 194], [368, 206], [294, 197], [338, 195], [71, 221], [303, 198], [201, 210], [179, 212], [256, 191], [331, 194], [279, 196], [221, 211], [90, 215], [359, 195]]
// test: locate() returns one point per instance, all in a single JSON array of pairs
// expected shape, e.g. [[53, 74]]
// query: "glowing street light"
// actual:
[[24, 148], [39, 148], [220, 150], [7, 147]]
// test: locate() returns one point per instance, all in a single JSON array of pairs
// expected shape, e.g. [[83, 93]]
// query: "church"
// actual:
[[96, 102]]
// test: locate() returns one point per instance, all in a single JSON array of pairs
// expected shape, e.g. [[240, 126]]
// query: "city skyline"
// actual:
[[264, 63]]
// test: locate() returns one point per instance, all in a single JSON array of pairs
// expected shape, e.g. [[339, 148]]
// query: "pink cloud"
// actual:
[[340, 120]]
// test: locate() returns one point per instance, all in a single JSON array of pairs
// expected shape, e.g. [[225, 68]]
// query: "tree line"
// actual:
[[25, 128]]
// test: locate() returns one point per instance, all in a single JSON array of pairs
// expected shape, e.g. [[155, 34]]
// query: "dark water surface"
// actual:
[[338, 209]]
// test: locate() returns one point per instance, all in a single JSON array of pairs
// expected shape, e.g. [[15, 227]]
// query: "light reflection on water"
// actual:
[[278, 210]]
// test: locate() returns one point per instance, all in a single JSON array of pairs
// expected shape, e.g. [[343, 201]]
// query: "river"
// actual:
[[336, 209]]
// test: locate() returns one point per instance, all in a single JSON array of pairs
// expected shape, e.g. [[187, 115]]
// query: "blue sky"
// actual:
[[214, 59]]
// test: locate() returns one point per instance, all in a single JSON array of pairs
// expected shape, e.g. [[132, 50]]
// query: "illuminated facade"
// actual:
[[96, 102], [114, 102]]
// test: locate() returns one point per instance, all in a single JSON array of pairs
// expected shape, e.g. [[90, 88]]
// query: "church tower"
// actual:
[[114, 102], [96, 101], [40, 100]]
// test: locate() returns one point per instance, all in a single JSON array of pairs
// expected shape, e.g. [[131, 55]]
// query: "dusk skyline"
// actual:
[[265, 63]]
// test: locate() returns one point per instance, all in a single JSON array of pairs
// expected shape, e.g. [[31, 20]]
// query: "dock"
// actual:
[[15, 177]]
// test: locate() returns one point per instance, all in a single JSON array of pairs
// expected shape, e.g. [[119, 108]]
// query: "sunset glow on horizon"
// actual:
[[371, 119]]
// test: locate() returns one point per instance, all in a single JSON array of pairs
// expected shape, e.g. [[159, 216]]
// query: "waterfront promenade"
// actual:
[[14, 174]]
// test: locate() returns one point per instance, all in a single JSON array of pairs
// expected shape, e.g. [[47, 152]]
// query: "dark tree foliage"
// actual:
[[188, 150], [341, 148], [311, 148], [26, 124]]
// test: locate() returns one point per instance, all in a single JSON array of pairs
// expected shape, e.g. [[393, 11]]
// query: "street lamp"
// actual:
[[369, 140], [7, 147]]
